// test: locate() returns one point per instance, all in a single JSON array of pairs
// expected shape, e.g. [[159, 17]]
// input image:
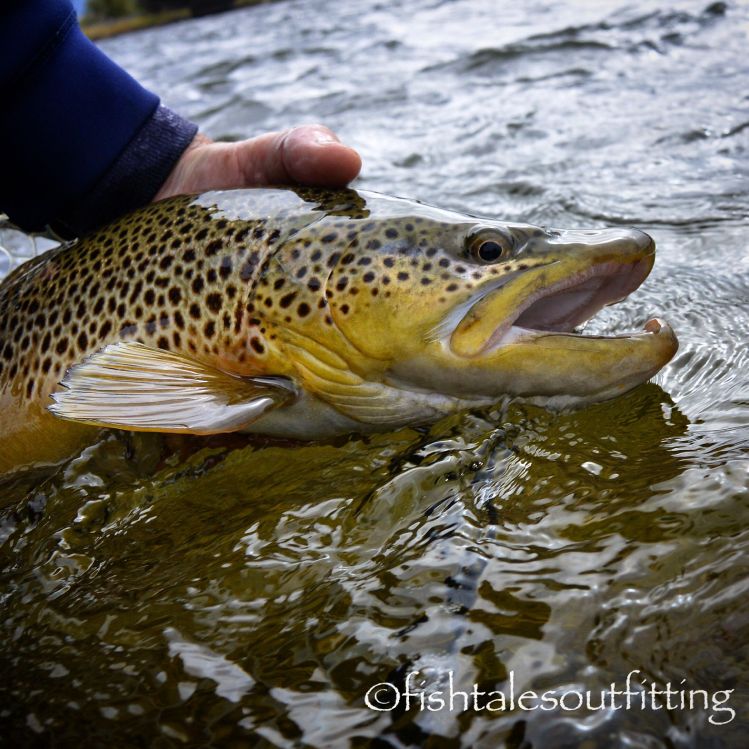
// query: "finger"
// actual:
[[313, 155], [309, 155]]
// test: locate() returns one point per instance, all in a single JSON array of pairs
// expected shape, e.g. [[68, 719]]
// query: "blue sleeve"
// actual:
[[80, 140]]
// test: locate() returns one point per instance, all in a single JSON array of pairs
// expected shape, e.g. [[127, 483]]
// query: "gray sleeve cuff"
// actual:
[[135, 177]]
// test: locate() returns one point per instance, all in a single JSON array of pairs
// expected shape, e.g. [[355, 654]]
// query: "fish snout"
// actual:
[[621, 241]]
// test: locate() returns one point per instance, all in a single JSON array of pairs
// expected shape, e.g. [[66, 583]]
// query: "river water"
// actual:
[[225, 593]]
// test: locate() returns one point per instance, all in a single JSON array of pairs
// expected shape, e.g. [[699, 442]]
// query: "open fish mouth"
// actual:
[[565, 305]]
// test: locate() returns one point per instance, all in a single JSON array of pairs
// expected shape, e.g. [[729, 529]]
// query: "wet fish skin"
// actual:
[[376, 310]]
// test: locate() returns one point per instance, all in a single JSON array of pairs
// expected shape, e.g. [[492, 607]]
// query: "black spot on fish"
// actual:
[[213, 247], [105, 328], [225, 268], [214, 302]]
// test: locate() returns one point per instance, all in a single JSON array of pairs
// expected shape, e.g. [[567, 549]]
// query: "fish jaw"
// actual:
[[519, 339]]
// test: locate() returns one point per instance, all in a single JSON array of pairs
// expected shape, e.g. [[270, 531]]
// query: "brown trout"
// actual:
[[306, 313]]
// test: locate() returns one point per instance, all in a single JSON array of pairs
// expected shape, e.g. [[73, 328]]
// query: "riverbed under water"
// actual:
[[228, 592]]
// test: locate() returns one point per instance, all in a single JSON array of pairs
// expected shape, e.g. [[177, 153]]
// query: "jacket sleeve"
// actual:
[[80, 140]]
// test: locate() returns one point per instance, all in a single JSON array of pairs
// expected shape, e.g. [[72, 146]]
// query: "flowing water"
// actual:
[[234, 593]]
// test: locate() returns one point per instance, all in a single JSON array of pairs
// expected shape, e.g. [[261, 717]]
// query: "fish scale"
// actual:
[[337, 294]]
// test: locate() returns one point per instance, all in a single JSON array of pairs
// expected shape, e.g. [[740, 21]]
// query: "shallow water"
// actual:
[[226, 593]]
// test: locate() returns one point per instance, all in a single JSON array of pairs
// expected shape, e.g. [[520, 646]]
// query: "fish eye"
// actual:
[[489, 249]]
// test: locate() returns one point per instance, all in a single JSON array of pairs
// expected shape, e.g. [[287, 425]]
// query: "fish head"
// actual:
[[478, 309]]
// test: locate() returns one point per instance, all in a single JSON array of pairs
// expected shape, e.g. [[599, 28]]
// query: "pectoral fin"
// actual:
[[128, 385]]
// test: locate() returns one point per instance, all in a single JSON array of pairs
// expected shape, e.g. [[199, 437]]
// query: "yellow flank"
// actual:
[[306, 313]]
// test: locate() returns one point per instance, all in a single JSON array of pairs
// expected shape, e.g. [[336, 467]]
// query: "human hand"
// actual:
[[306, 155]]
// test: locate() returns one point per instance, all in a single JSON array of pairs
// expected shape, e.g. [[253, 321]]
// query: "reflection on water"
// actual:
[[223, 592]]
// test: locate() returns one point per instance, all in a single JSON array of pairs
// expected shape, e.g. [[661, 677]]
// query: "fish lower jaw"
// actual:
[[516, 334]]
